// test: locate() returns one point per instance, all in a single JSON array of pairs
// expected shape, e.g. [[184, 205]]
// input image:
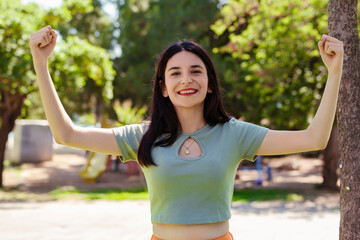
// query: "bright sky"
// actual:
[[108, 7], [45, 3]]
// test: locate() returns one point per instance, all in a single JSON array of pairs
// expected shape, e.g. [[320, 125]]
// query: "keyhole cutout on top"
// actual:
[[190, 149]]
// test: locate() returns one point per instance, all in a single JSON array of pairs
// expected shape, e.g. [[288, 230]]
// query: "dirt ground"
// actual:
[[290, 172]]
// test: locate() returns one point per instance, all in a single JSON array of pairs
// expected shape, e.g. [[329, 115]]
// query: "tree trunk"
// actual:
[[343, 25], [99, 108], [10, 109], [331, 159]]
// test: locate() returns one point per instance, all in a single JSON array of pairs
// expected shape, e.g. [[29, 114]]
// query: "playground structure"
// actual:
[[98, 163], [260, 169], [95, 166]]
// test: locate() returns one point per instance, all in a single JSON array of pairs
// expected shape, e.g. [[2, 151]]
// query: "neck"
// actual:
[[191, 120]]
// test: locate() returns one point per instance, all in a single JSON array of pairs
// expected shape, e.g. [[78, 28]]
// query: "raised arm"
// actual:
[[316, 136], [42, 44]]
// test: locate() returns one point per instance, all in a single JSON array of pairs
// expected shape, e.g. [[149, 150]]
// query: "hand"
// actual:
[[332, 53], [42, 44]]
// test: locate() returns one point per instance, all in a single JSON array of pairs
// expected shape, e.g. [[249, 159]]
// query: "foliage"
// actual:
[[271, 66], [88, 21], [146, 27], [81, 73], [127, 114], [17, 23]]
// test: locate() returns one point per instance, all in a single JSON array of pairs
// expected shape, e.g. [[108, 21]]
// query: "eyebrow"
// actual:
[[192, 66]]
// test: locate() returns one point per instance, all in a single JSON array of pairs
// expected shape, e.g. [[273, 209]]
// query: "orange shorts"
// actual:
[[227, 236]]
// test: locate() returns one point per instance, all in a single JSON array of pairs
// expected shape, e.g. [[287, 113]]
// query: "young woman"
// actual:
[[190, 151]]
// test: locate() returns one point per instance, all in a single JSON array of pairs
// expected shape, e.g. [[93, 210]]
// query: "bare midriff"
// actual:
[[194, 231]]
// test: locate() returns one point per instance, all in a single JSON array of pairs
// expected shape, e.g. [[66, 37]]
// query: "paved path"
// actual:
[[129, 220]]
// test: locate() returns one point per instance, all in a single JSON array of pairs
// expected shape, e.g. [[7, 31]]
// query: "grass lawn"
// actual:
[[252, 195], [104, 194], [245, 195], [66, 193]]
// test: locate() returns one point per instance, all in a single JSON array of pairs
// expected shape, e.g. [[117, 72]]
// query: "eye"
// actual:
[[175, 74], [196, 71]]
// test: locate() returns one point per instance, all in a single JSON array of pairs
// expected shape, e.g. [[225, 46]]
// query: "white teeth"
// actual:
[[187, 91]]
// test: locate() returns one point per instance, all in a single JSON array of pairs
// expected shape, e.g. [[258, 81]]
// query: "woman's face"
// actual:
[[186, 81]]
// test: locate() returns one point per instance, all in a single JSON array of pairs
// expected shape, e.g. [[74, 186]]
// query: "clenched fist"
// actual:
[[42, 43], [332, 53]]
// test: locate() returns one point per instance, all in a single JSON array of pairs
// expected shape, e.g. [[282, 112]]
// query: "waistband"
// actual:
[[227, 236]]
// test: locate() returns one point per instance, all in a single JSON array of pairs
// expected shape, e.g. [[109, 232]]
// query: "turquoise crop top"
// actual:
[[199, 190]]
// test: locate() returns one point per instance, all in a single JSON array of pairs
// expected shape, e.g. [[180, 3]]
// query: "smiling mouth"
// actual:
[[187, 92]]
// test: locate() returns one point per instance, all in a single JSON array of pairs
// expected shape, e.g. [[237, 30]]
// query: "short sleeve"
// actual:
[[128, 139], [248, 137]]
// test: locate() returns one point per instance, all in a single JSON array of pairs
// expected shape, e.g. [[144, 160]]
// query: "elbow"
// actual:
[[321, 146], [63, 138], [318, 141], [58, 140]]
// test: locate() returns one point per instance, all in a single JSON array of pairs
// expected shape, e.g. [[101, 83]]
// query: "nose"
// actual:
[[186, 79]]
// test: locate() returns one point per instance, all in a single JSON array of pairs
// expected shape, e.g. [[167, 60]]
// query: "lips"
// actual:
[[187, 91]]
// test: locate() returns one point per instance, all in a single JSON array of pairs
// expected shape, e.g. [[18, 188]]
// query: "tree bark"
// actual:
[[99, 108], [343, 25], [10, 110], [331, 159]]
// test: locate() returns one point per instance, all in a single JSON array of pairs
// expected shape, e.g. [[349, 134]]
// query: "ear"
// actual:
[[209, 90], [163, 89]]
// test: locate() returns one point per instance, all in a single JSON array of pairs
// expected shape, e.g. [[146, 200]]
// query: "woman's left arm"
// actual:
[[316, 136]]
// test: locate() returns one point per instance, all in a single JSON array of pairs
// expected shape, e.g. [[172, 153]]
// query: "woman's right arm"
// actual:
[[102, 140]]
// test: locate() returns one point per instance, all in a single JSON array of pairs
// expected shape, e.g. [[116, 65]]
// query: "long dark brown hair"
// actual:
[[163, 119]]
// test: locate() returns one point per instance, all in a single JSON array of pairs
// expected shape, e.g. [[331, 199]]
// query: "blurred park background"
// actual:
[[266, 57]]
